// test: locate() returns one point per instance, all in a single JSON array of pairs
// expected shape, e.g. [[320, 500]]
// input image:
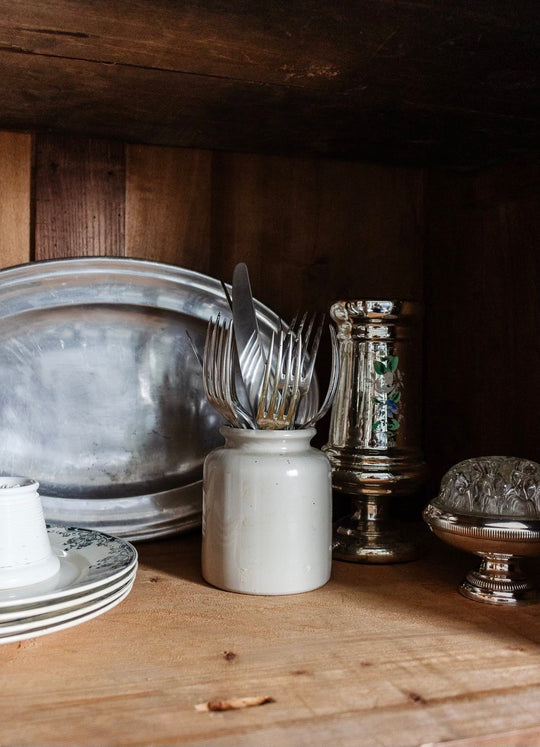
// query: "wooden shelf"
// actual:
[[415, 82], [379, 656]]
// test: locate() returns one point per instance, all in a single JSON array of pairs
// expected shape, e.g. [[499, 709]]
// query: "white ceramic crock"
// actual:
[[267, 513], [26, 556]]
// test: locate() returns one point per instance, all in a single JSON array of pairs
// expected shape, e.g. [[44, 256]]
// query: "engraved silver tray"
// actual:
[[101, 396]]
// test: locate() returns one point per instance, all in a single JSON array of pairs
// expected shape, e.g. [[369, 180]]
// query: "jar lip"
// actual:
[[16, 482], [260, 433]]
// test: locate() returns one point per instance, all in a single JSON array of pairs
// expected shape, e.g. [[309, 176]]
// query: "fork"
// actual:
[[280, 388], [312, 338], [311, 335], [312, 418], [219, 374]]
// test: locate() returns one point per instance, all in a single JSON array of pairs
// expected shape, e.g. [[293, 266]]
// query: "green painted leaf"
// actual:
[[394, 360], [395, 396], [393, 425], [379, 367], [376, 425]]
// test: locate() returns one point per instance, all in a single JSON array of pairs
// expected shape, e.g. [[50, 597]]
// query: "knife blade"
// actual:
[[244, 314]]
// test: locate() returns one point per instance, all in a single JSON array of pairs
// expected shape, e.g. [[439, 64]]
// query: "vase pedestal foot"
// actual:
[[370, 536]]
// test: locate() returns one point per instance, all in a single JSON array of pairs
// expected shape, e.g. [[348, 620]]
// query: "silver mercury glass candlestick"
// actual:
[[375, 427]]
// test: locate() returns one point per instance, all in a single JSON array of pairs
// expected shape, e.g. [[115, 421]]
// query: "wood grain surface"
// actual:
[[482, 313], [310, 230], [382, 655], [79, 197], [15, 199], [314, 230], [168, 200], [382, 81]]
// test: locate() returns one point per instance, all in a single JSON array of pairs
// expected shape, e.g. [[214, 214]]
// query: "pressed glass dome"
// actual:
[[497, 486]]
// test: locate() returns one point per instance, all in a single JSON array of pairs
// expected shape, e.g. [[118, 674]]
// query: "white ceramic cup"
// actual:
[[26, 556]]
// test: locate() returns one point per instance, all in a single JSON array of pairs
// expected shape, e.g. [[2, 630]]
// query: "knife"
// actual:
[[246, 331]]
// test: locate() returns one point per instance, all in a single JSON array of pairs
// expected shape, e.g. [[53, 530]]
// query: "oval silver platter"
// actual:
[[101, 395]]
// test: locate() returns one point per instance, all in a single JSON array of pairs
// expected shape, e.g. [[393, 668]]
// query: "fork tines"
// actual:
[[280, 388]]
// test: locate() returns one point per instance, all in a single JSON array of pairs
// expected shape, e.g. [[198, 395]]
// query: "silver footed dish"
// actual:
[[490, 506]]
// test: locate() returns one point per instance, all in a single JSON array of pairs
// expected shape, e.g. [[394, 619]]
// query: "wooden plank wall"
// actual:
[[482, 331], [311, 230], [15, 198], [79, 197]]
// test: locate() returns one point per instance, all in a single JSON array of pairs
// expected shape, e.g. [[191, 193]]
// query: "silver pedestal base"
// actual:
[[499, 580], [370, 536]]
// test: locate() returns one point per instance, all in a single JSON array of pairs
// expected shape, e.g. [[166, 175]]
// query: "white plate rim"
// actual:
[[30, 629], [25, 611], [98, 573]]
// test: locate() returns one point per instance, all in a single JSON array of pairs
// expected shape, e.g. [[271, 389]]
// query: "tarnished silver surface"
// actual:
[[101, 395], [490, 506], [374, 442]]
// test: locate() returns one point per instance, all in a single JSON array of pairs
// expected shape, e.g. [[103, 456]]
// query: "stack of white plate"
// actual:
[[96, 573]]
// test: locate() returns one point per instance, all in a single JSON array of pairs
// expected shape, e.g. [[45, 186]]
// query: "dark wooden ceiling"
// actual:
[[424, 82]]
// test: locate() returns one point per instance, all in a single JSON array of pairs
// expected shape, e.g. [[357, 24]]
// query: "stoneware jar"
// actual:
[[267, 513], [26, 556]]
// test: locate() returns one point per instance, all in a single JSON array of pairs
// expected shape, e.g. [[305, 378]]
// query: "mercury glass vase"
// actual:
[[374, 443]]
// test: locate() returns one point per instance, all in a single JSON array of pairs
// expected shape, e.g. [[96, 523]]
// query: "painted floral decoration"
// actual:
[[387, 397]]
